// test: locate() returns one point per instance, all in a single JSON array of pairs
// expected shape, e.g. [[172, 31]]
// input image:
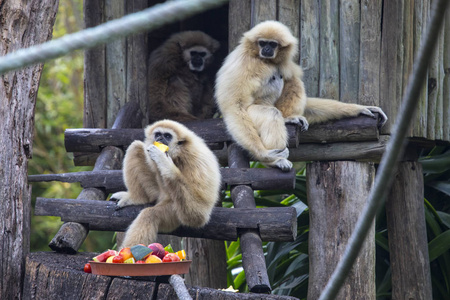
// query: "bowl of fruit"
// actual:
[[140, 260]]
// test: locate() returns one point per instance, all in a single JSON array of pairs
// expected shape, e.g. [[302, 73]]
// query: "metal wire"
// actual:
[[147, 19], [392, 154]]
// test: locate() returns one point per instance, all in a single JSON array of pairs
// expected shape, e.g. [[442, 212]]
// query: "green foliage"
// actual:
[[59, 106]]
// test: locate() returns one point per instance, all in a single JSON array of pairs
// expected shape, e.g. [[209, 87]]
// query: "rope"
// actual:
[[394, 149], [145, 20]]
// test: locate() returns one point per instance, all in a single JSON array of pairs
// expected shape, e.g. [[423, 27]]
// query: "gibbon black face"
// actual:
[[163, 137], [197, 58], [267, 48]]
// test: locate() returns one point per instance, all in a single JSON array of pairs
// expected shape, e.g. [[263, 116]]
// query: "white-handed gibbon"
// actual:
[[259, 88], [183, 182], [181, 78]]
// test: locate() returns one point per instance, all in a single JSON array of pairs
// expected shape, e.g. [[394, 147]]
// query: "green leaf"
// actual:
[[139, 252], [439, 245], [436, 164], [445, 218], [441, 186]]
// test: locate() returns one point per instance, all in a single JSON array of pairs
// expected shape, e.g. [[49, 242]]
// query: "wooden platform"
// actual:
[[51, 275]]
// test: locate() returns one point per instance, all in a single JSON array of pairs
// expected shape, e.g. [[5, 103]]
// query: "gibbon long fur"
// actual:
[[183, 183], [181, 78], [259, 88]]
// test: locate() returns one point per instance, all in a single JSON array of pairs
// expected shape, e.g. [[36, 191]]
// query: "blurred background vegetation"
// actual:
[[60, 106]]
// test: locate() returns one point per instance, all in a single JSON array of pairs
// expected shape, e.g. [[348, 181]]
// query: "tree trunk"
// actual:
[[411, 278], [337, 193], [22, 24]]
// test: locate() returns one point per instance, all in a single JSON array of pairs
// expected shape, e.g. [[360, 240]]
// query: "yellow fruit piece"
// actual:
[[161, 146], [110, 259], [181, 254], [129, 261], [151, 259]]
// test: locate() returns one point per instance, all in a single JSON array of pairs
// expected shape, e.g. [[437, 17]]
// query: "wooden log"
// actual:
[[111, 181], [349, 16], [94, 71], [408, 247], [369, 61], [253, 260], [52, 275], [388, 67], [23, 24], [439, 123], [116, 65], [361, 128], [329, 49], [274, 223], [421, 9], [446, 83], [309, 45], [363, 151], [136, 62], [337, 193]]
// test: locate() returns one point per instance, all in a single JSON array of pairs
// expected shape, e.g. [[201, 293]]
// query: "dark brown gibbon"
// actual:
[[181, 78]]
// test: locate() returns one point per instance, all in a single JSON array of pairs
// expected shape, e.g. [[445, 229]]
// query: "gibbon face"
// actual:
[[267, 48], [271, 41], [197, 58], [166, 133]]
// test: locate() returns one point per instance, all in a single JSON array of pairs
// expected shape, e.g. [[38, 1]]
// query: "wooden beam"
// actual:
[[274, 223], [112, 180], [213, 131]]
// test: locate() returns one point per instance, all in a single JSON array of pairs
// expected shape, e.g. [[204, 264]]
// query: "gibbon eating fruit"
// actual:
[[259, 88], [181, 78], [183, 182]]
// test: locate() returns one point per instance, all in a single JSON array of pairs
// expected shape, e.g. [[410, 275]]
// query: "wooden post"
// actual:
[[253, 259], [23, 24], [408, 245], [337, 192]]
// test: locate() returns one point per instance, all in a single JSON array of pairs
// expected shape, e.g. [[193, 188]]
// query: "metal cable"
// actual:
[[147, 19], [392, 154]]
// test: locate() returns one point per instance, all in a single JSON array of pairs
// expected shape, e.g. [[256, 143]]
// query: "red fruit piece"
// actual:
[[87, 268], [104, 256], [118, 259], [171, 257], [157, 249]]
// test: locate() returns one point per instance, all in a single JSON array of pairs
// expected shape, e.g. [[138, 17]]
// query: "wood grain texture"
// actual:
[[116, 65], [263, 10], [94, 70], [370, 51], [337, 193], [407, 234], [274, 223], [213, 131], [446, 83], [23, 24], [52, 275], [349, 25], [309, 45], [329, 49], [239, 19]]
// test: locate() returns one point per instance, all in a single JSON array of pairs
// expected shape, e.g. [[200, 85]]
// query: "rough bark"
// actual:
[[22, 24], [407, 235], [337, 192]]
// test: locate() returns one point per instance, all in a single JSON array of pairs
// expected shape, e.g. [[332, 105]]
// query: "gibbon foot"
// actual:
[[300, 121], [284, 164], [370, 110]]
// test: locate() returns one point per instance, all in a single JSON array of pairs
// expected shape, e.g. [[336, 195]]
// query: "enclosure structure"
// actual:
[[354, 51]]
